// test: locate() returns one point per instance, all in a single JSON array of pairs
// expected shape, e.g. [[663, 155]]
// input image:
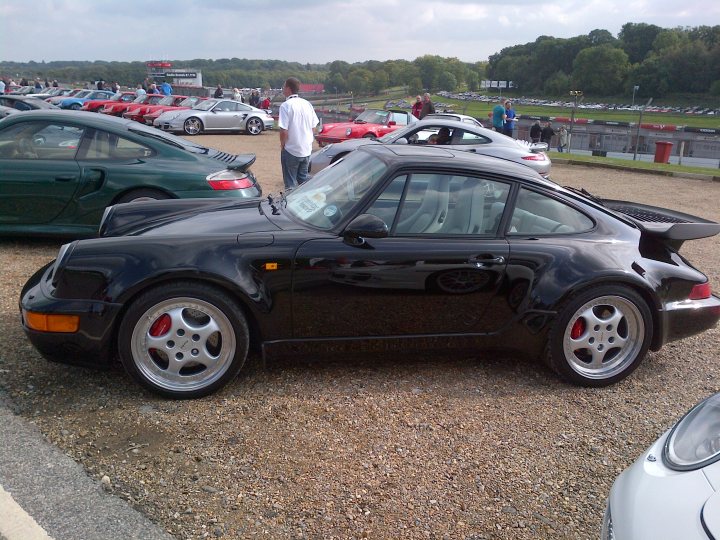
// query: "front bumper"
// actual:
[[650, 501], [91, 345]]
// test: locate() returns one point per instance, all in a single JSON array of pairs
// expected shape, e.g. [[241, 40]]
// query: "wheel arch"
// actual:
[[120, 194]]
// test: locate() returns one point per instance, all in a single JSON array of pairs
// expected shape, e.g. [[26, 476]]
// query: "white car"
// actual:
[[673, 490], [216, 115]]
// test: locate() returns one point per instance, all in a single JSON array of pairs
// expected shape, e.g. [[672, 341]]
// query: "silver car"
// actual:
[[673, 489], [454, 134], [216, 115]]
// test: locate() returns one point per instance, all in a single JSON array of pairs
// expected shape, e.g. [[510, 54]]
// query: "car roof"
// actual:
[[81, 117], [400, 154]]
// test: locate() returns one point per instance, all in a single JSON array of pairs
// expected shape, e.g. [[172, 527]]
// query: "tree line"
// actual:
[[660, 61]]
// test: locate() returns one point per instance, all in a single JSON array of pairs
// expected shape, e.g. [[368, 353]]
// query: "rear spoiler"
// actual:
[[242, 162], [667, 225]]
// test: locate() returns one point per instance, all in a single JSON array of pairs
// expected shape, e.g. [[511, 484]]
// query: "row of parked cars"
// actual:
[[169, 113]]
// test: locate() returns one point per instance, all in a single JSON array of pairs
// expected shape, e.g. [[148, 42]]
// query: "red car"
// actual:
[[373, 123], [117, 109], [136, 112], [157, 110], [94, 105]]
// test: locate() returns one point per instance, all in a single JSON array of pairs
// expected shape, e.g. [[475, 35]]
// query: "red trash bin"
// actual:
[[663, 149]]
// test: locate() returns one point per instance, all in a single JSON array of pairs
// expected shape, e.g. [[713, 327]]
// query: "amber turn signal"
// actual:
[[44, 322]]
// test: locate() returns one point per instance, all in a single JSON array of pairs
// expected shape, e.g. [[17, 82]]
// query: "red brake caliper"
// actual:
[[161, 325], [578, 329]]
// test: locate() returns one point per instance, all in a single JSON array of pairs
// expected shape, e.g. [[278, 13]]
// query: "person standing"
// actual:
[[427, 107], [297, 121], [219, 92], [417, 107], [140, 91], [254, 99], [166, 89], [265, 103], [547, 134], [2, 87], [510, 116], [535, 131], [562, 139], [498, 117]]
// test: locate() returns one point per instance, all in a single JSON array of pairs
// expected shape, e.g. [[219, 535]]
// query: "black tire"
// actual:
[[254, 126], [193, 126], [369, 136], [75, 107], [143, 194], [600, 336], [200, 340]]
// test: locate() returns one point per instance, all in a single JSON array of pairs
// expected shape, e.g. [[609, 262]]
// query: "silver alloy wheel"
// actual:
[[183, 344], [254, 126], [192, 126], [604, 337]]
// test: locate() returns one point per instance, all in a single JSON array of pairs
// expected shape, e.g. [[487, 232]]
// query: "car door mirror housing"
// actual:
[[392, 123], [365, 226]]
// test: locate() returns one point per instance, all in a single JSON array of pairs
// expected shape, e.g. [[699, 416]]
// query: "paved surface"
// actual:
[[56, 492]]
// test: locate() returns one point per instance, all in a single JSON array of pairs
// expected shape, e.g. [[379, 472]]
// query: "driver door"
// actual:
[[435, 273]]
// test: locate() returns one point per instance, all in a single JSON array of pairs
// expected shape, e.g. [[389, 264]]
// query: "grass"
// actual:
[[643, 165]]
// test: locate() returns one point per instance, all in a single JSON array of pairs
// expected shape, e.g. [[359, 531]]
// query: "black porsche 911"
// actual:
[[394, 246]]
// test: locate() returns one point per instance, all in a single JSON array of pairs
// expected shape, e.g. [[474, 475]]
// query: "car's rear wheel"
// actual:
[[143, 195], [369, 136], [183, 340], [254, 126], [192, 126], [75, 107], [600, 336]]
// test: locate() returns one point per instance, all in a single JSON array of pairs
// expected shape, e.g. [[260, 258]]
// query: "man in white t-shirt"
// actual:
[[297, 123]]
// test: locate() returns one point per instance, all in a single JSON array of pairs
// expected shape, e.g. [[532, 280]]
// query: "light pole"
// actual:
[[576, 94], [637, 131], [635, 89]]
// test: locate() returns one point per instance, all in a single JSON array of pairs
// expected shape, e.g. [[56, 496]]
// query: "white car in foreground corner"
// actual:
[[673, 490]]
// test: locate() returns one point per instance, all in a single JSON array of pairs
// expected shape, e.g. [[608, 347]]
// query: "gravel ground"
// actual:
[[415, 446]]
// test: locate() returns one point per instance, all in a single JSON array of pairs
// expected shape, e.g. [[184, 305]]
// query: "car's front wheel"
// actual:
[[192, 126], [600, 336], [75, 107], [183, 340], [254, 126]]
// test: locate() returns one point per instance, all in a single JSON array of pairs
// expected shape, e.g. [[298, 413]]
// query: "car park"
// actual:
[[216, 115], [673, 489], [353, 256], [463, 136], [95, 105], [75, 103], [55, 100], [60, 169], [138, 112], [120, 107], [371, 123]]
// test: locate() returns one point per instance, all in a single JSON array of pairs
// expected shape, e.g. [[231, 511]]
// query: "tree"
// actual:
[[360, 81], [430, 67], [558, 84], [473, 81], [600, 70], [447, 81], [380, 81], [637, 40]]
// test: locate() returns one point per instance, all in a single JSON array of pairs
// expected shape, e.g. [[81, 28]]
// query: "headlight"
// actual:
[[348, 131], [694, 442]]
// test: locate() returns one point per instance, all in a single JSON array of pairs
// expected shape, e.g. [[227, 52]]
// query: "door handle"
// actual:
[[486, 261], [68, 178]]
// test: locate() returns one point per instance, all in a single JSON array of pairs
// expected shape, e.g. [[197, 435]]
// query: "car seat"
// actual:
[[467, 216], [430, 215]]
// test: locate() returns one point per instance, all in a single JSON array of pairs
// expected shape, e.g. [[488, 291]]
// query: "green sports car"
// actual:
[[59, 170]]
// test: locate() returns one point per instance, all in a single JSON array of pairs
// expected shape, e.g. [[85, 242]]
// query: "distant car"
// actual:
[[394, 248], [454, 116], [463, 136], [673, 489], [137, 113], [60, 169], [94, 105], [120, 107], [50, 92], [55, 100], [216, 115], [372, 124], [156, 110], [75, 103], [24, 103]]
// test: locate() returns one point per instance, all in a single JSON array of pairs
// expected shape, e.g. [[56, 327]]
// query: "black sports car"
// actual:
[[394, 246]]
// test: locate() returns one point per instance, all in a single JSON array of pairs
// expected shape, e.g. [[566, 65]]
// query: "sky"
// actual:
[[314, 31]]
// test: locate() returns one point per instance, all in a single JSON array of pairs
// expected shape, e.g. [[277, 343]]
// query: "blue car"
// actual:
[[75, 103]]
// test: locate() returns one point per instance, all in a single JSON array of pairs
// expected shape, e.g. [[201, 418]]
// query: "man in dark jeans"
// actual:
[[547, 134], [535, 131]]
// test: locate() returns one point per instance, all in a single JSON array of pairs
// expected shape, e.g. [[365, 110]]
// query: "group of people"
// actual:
[[422, 107], [545, 134], [254, 99], [504, 118]]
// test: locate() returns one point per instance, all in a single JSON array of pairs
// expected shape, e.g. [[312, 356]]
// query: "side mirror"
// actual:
[[392, 123], [365, 226]]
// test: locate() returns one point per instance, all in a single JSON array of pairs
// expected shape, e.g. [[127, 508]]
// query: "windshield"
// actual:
[[372, 117], [140, 99], [167, 100], [205, 105], [322, 201], [188, 102], [82, 94]]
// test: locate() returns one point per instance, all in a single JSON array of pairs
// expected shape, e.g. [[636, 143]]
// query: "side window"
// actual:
[[400, 119], [386, 205], [104, 145], [40, 140], [471, 138], [451, 205], [538, 214]]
